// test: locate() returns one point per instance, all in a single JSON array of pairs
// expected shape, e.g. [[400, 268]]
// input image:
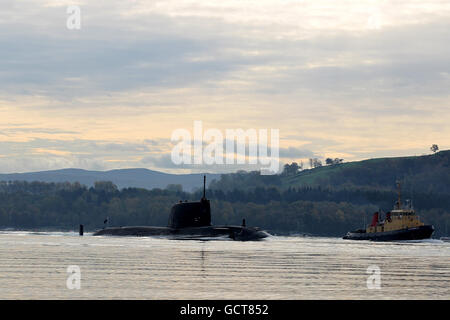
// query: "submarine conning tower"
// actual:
[[191, 214]]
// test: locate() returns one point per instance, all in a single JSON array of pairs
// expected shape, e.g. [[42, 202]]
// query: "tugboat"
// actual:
[[401, 223], [190, 220]]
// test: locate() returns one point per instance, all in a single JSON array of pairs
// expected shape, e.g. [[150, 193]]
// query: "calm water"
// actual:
[[34, 266]]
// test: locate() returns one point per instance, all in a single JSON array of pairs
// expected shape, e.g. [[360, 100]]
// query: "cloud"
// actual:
[[114, 52], [57, 154], [14, 130], [292, 153], [352, 78]]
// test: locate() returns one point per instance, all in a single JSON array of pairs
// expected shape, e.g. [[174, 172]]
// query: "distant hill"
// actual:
[[428, 174], [123, 178]]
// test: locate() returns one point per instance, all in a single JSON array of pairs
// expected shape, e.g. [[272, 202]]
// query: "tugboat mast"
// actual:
[[399, 201]]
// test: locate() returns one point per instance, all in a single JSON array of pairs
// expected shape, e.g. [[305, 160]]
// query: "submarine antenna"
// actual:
[[204, 187]]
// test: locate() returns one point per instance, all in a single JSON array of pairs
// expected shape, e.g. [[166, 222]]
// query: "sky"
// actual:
[[347, 79]]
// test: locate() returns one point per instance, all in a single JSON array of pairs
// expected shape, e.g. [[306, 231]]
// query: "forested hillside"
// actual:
[[307, 210], [322, 201], [430, 174]]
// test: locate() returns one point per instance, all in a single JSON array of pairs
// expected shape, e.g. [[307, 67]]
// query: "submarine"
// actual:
[[190, 221]]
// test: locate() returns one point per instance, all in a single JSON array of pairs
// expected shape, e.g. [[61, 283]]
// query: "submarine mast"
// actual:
[[204, 187]]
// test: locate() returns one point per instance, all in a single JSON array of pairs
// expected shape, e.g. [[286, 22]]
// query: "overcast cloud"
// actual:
[[349, 79]]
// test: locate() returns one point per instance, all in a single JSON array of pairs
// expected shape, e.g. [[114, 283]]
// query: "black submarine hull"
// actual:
[[418, 233], [190, 220], [194, 233]]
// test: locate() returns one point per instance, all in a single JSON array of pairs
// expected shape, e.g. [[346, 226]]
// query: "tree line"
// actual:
[[318, 211]]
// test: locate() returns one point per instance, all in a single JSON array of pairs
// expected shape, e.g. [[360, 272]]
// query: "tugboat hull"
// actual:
[[418, 233], [196, 233]]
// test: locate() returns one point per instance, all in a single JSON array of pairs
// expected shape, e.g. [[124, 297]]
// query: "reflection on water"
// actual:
[[34, 265]]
